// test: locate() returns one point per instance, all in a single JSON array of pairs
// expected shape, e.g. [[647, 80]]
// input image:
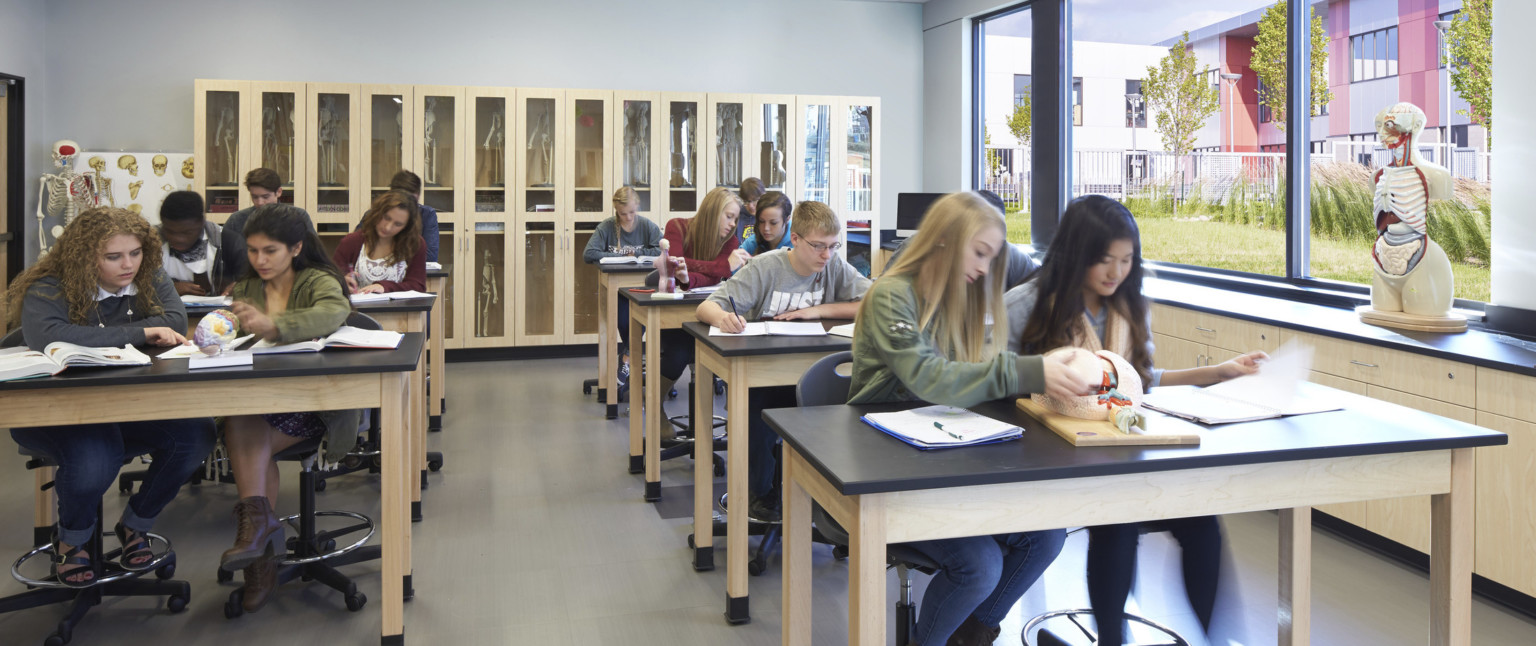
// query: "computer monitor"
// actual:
[[910, 209]]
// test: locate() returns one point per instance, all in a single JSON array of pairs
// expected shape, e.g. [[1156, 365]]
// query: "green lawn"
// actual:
[[1262, 251]]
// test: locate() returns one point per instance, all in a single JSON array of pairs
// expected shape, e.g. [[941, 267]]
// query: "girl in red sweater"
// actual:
[[386, 253]]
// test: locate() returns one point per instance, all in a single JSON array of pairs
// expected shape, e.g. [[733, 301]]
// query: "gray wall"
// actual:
[[127, 84], [23, 53]]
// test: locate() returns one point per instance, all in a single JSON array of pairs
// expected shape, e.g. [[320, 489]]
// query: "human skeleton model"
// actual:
[[495, 145], [728, 145], [1411, 274], [63, 194], [682, 147], [103, 184], [329, 131], [224, 144], [273, 135], [488, 293], [1115, 399], [429, 141], [637, 144], [542, 159]]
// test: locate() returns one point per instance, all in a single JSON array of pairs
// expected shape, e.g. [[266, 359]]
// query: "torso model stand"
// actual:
[[1411, 285], [63, 194]]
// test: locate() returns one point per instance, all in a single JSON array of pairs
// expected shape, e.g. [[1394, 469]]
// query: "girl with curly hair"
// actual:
[[102, 285]]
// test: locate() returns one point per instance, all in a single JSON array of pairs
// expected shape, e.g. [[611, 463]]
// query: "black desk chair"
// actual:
[[1074, 619], [111, 580], [823, 386]]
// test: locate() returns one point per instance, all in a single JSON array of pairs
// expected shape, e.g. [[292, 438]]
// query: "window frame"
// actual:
[[1380, 61], [1297, 284]]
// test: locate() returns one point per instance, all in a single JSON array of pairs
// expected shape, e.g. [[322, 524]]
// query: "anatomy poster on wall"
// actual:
[[137, 181]]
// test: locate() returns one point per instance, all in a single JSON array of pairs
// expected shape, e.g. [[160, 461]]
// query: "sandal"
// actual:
[[77, 557], [136, 555]]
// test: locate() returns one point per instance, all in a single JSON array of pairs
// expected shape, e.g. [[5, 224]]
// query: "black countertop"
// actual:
[[1476, 347], [332, 361], [743, 346], [393, 305], [627, 268], [858, 459], [641, 297]]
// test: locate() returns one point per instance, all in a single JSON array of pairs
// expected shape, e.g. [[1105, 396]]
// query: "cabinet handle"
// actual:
[[1199, 360], [1363, 364], [1205, 329]]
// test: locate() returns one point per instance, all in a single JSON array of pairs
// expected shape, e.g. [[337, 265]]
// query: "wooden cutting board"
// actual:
[[1087, 432]]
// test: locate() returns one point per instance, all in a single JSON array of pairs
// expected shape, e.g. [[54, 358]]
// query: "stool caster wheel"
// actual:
[[672, 394], [435, 465], [176, 603], [840, 553], [756, 567], [719, 470], [234, 606], [165, 572], [690, 541], [59, 638], [719, 388], [586, 389], [319, 486], [355, 602], [125, 486], [225, 576]]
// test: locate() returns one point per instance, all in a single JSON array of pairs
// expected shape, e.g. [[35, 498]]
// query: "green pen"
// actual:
[[947, 431]]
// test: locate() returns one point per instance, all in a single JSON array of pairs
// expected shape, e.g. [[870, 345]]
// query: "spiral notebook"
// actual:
[[942, 427]]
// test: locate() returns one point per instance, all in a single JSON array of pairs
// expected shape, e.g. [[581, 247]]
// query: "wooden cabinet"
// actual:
[[540, 199], [856, 195], [684, 186], [221, 114], [275, 131], [332, 187], [1506, 510], [727, 124], [772, 145], [639, 144], [389, 134], [812, 122], [591, 186], [486, 268]]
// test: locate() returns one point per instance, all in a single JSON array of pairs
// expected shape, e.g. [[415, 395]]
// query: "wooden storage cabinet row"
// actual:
[[1499, 400], [521, 177]]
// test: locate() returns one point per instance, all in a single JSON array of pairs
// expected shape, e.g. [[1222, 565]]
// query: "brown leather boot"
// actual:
[[260, 579], [258, 533], [972, 633]]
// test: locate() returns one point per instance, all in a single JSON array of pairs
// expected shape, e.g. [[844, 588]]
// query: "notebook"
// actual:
[[940, 427], [207, 301], [21, 363], [1275, 391], [344, 337], [775, 328], [845, 329]]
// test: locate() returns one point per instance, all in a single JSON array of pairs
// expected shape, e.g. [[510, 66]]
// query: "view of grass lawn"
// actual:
[[1250, 248]]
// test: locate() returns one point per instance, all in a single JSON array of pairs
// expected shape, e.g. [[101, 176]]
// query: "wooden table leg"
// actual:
[[636, 395], [703, 471], [866, 573], [652, 413], [1295, 576], [1450, 560], [395, 506], [737, 420], [607, 348], [417, 396], [796, 629], [438, 350]]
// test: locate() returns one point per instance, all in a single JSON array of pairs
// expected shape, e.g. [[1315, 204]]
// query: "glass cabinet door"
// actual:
[[489, 280], [389, 122], [278, 121], [333, 153], [683, 143], [727, 128], [540, 281], [859, 184], [815, 132], [584, 290], [219, 161], [489, 115], [437, 147], [588, 165], [540, 131], [637, 142], [771, 145]]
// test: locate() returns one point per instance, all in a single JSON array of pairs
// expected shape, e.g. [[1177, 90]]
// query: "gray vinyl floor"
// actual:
[[535, 534]]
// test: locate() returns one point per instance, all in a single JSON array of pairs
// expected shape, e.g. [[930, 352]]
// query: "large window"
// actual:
[[1005, 111], [1374, 54], [1214, 194]]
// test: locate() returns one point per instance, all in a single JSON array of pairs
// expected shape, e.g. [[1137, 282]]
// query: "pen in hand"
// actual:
[[947, 431]]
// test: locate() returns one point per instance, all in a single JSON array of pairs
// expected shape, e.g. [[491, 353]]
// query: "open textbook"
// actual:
[[1275, 391], [937, 427], [345, 337], [625, 260], [21, 363], [375, 297], [779, 328]]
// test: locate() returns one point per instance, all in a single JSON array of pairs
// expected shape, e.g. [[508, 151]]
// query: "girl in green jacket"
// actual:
[[923, 334], [290, 292]]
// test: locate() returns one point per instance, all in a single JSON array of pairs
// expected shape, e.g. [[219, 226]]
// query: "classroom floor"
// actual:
[[536, 534]]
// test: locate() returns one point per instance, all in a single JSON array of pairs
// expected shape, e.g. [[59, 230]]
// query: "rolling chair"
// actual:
[[1073, 619], [821, 385], [111, 579]]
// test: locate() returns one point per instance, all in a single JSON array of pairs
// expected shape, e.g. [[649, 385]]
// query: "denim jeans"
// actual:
[[1112, 569], [982, 576], [762, 467], [90, 455]]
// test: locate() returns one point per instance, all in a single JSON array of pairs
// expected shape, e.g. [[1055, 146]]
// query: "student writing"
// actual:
[[386, 253], [808, 281], [922, 333], [193, 253], [102, 285]]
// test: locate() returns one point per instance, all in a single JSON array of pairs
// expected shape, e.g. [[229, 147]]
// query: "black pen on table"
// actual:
[[733, 307]]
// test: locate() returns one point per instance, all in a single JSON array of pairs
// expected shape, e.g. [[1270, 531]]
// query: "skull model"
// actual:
[[98, 164], [158, 162], [129, 163], [186, 168]]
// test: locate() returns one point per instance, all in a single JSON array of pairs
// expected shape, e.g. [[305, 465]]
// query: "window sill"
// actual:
[[1331, 313]]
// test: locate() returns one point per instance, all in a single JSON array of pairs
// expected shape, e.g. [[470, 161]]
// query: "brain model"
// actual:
[[1119, 385], [215, 331]]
